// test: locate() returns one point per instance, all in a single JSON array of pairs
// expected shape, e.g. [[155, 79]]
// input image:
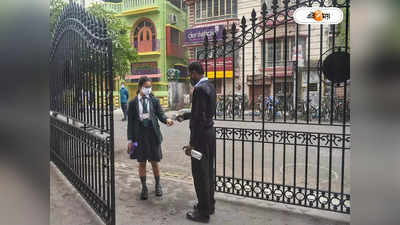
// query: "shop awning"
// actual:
[[180, 64], [220, 74]]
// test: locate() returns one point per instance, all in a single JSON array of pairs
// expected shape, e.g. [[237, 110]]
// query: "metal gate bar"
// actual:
[[317, 193], [81, 107], [307, 165]]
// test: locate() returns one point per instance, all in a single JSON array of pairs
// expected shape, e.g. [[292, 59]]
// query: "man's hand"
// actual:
[[179, 118], [170, 122], [188, 150]]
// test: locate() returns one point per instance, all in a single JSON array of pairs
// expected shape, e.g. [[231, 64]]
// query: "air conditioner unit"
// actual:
[[173, 19]]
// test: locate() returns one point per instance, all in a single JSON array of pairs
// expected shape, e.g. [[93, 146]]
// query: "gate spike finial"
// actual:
[[85, 19], [224, 34], [80, 11], [264, 9], [243, 24], [206, 41], [73, 8], [96, 21], [102, 28], [274, 6], [286, 2], [92, 19], [233, 28], [62, 13], [91, 22], [215, 38], [105, 26], [253, 17]]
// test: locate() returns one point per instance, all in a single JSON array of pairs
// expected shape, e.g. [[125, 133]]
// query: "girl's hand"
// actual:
[[129, 147], [170, 122]]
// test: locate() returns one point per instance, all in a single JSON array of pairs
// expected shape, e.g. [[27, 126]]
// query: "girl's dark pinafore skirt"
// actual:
[[148, 148]]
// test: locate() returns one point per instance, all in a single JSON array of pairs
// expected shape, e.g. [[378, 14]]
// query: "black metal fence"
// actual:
[[81, 107], [291, 142]]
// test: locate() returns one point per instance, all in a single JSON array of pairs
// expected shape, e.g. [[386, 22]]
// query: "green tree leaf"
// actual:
[[123, 52]]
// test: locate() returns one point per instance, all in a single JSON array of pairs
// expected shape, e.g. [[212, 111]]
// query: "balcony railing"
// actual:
[[131, 4], [155, 45], [178, 3]]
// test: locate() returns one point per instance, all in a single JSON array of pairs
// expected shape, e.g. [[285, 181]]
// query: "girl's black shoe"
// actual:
[[158, 190], [144, 194]]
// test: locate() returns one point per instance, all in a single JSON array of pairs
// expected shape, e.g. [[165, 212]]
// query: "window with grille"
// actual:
[[144, 36], [209, 10], [177, 3], [222, 7], [198, 9], [203, 8], [175, 36], [145, 23], [280, 50], [281, 4]]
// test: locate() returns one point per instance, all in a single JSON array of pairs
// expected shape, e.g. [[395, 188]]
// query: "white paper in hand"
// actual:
[[197, 155]]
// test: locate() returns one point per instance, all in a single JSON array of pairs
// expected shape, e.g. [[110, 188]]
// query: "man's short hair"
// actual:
[[196, 67]]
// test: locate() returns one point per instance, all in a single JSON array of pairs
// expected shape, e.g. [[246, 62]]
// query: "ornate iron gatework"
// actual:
[[291, 141], [81, 107]]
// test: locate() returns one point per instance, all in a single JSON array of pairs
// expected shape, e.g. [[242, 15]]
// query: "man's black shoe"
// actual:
[[145, 193], [212, 211], [158, 190], [196, 216]]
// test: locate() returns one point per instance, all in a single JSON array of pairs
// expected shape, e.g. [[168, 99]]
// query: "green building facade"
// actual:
[[157, 33]]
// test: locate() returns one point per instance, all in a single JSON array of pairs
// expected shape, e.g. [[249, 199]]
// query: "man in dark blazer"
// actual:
[[202, 139]]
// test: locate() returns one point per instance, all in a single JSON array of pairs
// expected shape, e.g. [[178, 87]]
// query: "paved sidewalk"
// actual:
[[67, 207], [179, 196]]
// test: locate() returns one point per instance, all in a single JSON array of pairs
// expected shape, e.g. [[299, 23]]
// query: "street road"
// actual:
[[177, 165]]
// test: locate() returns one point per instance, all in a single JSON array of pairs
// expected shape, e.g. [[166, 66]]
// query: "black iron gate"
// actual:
[[81, 108], [291, 141]]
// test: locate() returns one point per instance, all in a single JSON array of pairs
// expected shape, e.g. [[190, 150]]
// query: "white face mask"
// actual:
[[146, 91], [123, 86]]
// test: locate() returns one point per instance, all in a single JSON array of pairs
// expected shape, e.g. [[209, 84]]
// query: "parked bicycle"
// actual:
[[269, 107], [231, 105]]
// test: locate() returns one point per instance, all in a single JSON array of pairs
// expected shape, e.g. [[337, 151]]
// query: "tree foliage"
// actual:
[[56, 7], [123, 52], [341, 29]]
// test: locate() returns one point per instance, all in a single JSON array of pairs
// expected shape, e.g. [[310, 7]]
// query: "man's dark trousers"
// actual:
[[124, 109], [203, 172]]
